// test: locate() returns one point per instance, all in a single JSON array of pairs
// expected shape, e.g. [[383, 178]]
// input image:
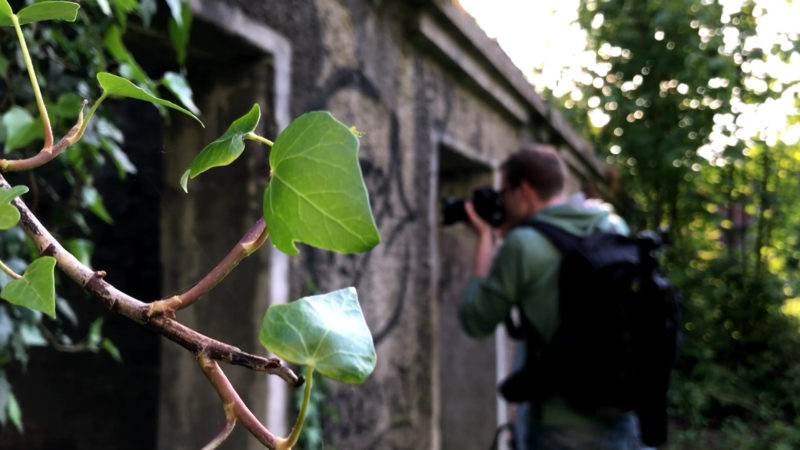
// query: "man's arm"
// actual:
[[485, 251], [487, 297]]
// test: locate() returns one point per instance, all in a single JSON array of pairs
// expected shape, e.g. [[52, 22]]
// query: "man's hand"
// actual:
[[483, 255], [477, 222]]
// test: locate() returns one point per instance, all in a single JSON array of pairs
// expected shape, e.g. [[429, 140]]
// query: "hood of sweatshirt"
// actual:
[[582, 218]]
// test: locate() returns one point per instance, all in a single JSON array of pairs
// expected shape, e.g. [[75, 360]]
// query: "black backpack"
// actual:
[[618, 335]]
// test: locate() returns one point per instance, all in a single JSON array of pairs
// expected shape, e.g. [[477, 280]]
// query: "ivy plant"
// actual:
[[315, 195]]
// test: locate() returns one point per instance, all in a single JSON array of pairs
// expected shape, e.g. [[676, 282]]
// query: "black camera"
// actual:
[[488, 204]]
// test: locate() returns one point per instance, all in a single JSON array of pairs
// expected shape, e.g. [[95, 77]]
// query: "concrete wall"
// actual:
[[441, 106]]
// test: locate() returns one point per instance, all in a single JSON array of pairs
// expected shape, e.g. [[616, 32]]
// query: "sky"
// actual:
[[544, 42], [538, 36]]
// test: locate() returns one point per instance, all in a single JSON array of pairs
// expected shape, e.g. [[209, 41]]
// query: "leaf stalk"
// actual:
[[10, 272], [254, 137], [289, 442], [37, 92]]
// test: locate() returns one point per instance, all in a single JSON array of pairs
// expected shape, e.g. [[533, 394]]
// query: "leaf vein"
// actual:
[[322, 211]]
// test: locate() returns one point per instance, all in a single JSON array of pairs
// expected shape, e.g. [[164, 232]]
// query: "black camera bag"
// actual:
[[618, 335]]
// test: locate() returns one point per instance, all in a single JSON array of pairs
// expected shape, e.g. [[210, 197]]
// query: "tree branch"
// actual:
[[249, 243], [136, 310], [233, 404], [47, 153]]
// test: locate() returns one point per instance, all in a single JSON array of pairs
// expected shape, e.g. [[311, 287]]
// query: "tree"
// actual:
[[673, 103], [303, 202]]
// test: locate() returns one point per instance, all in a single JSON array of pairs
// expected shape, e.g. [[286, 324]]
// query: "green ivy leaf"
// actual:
[[5, 390], [118, 157], [327, 332], [14, 412], [129, 67], [68, 105], [91, 198], [121, 87], [53, 10], [179, 31], [9, 215], [111, 349], [105, 7], [36, 289], [5, 14], [21, 128], [50, 10], [225, 149], [317, 193], [178, 85], [81, 249], [175, 10]]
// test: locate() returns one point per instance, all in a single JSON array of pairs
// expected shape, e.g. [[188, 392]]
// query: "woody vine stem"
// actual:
[[207, 350], [327, 332], [158, 316]]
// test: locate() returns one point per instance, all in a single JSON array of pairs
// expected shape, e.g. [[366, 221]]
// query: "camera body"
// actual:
[[488, 204]]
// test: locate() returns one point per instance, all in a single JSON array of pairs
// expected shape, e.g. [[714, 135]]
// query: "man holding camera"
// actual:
[[522, 272]]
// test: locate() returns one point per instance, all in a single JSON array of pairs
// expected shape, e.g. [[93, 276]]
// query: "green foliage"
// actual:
[[9, 216], [179, 30], [42, 11], [317, 193], [325, 332], [36, 288], [226, 149], [20, 128], [67, 56], [674, 79], [9, 408], [178, 85], [38, 12], [121, 87]]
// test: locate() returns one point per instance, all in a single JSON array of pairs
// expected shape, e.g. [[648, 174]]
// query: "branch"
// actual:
[[136, 310], [235, 408], [58, 346], [249, 243], [48, 152]]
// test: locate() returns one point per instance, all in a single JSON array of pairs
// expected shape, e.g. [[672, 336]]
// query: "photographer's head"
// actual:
[[533, 178]]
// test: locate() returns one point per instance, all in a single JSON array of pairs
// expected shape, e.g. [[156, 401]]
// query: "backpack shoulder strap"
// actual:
[[563, 240]]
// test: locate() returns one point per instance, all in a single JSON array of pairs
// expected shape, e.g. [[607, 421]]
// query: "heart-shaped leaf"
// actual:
[[327, 332], [36, 289], [53, 10], [317, 193], [9, 215], [226, 148], [114, 85]]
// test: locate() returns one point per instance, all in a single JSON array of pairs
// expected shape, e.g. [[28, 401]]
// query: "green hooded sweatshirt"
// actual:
[[525, 273]]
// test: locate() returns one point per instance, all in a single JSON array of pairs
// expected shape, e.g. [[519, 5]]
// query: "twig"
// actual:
[[232, 402], [47, 153], [58, 346], [136, 310], [249, 243]]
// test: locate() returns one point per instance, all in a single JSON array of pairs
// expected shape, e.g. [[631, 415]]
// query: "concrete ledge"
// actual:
[[487, 65]]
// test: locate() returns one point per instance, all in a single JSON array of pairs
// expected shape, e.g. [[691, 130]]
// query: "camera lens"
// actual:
[[453, 211], [488, 205]]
